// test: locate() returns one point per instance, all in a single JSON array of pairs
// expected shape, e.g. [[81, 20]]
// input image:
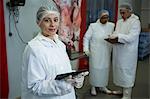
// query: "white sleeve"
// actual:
[[40, 83], [133, 33], [87, 38]]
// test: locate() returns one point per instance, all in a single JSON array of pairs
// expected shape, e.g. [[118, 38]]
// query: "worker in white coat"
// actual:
[[45, 57], [126, 51], [99, 52]]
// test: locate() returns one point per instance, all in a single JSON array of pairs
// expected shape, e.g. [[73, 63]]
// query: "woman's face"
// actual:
[[49, 25], [104, 19]]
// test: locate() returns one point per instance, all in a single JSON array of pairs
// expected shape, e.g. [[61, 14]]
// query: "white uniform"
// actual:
[[43, 59], [100, 52], [125, 55]]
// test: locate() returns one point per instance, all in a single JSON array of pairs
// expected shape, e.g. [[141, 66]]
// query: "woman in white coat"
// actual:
[[45, 57], [125, 55], [99, 51]]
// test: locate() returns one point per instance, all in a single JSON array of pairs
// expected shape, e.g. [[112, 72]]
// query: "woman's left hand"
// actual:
[[80, 79]]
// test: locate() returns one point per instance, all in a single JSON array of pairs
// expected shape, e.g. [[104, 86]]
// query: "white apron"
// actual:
[[100, 52], [125, 55]]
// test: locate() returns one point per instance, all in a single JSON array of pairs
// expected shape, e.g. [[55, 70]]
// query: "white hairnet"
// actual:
[[103, 12], [126, 6], [48, 8]]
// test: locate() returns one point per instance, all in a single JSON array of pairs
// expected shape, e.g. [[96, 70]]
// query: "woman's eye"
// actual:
[[55, 20], [46, 20]]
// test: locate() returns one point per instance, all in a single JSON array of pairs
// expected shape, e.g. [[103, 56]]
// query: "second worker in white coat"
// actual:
[[99, 51], [125, 55]]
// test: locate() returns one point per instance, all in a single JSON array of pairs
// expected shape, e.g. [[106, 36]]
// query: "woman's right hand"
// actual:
[[70, 80]]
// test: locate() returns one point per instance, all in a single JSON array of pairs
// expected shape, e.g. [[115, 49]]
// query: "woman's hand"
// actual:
[[80, 79]]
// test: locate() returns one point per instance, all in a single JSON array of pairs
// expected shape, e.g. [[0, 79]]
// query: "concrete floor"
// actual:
[[140, 90]]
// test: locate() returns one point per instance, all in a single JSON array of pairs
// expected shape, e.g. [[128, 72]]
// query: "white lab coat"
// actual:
[[100, 52], [43, 59], [125, 55]]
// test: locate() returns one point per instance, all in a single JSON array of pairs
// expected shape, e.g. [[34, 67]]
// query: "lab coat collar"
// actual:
[[43, 38], [47, 41], [98, 21], [134, 16]]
